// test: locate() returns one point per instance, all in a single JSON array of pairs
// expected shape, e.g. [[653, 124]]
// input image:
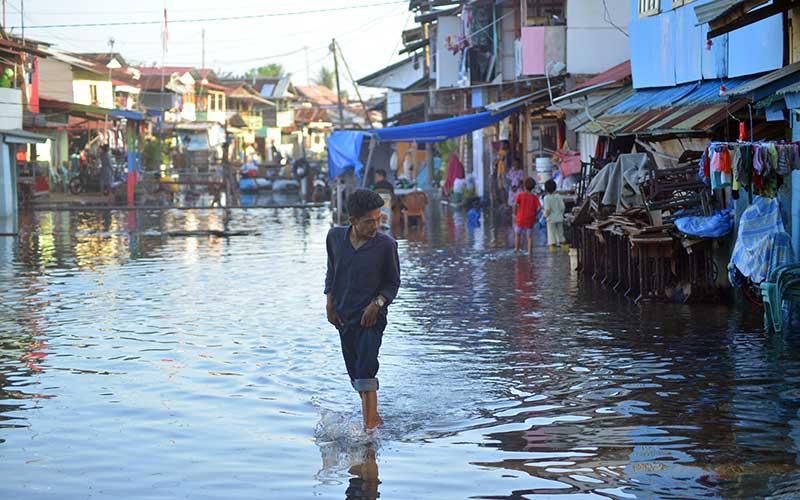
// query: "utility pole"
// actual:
[[338, 89], [4, 14], [203, 36], [339, 197]]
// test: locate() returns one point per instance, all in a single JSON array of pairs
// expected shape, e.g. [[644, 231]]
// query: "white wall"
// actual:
[[447, 63], [10, 109], [400, 77], [188, 112], [394, 103], [8, 190], [477, 146], [594, 45], [508, 45], [82, 95]]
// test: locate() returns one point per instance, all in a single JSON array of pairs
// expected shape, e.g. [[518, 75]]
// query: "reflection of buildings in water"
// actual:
[[23, 350], [93, 250], [95, 238]]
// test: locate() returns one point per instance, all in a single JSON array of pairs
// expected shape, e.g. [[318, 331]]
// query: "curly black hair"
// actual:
[[362, 201]]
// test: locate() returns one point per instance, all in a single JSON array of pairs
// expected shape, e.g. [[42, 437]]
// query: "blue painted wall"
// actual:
[[670, 49], [756, 48]]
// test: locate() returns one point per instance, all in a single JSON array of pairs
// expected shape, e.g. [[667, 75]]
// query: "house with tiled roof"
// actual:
[[170, 90], [317, 95]]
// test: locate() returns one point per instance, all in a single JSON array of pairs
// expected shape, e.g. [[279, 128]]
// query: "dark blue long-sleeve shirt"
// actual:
[[356, 277]]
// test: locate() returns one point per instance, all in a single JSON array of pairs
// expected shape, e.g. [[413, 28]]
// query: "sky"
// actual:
[[369, 35]]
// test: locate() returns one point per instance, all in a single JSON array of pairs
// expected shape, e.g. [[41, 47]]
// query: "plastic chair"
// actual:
[[414, 206], [782, 284]]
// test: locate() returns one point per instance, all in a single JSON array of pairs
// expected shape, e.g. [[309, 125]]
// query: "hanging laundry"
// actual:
[[762, 243], [738, 165]]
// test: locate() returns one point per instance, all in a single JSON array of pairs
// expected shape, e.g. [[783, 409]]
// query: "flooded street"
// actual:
[[136, 364]]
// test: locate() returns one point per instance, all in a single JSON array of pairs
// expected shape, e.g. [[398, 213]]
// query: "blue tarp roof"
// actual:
[[440, 130], [130, 115], [344, 146]]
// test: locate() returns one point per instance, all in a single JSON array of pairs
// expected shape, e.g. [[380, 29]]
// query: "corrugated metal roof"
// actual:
[[709, 11], [789, 89], [765, 80], [498, 107], [713, 9], [679, 119], [611, 75], [707, 92], [599, 107]]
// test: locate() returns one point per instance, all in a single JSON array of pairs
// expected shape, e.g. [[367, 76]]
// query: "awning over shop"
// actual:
[[689, 109], [767, 84], [516, 102], [440, 130], [127, 114], [90, 110], [18, 136], [344, 146], [595, 108], [617, 74]]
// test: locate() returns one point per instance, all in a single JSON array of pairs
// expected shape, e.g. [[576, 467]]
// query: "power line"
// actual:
[[214, 19], [607, 18]]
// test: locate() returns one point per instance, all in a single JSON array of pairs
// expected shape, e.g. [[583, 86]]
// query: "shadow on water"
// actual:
[[132, 360]]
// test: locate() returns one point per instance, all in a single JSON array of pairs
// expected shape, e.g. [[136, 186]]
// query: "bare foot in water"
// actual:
[[371, 426]]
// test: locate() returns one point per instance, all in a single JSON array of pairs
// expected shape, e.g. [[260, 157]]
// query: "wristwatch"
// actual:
[[379, 301]]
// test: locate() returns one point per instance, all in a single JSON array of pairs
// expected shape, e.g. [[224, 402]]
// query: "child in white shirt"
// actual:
[[554, 214]]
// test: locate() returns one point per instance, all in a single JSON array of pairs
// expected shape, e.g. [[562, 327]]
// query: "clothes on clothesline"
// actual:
[[757, 167]]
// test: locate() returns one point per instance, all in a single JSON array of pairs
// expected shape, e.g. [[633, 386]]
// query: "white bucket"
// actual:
[[544, 170], [543, 164]]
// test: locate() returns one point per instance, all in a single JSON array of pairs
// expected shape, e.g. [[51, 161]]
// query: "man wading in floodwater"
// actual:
[[362, 280]]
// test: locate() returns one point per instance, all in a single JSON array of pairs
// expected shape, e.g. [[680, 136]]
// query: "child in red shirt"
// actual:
[[526, 206]]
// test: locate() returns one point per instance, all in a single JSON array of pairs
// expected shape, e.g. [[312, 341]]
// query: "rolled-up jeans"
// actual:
[[360, 346]]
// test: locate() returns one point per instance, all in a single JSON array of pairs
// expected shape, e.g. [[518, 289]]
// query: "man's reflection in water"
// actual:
[[365, 483], [359, 460]]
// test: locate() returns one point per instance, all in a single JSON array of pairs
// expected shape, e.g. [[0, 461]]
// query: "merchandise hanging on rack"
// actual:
[[756, 167]]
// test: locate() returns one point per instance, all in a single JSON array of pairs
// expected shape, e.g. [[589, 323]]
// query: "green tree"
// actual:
[[273, 70], [325, 77]]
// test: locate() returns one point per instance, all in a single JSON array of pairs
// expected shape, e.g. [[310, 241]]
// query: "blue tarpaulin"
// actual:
[[344, 147], [130, 115], [713, 226], [440, 130]]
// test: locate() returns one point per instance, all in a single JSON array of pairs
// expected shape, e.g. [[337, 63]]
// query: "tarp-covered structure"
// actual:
[[344, 146]]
